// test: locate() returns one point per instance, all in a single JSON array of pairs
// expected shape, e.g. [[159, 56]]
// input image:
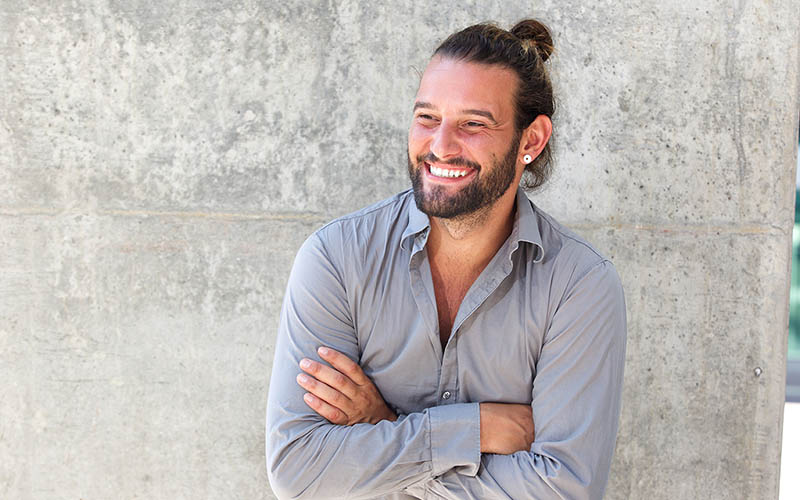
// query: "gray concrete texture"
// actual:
[[161, 162]]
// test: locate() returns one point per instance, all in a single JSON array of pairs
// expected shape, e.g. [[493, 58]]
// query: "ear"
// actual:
[[535, 137]]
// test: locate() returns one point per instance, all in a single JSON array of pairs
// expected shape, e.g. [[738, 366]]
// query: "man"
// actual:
[[453, 341]]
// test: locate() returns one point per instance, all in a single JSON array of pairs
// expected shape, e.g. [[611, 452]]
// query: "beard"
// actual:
[[481, 192]]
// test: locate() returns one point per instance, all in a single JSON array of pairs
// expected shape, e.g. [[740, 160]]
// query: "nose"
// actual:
[[444, 143]]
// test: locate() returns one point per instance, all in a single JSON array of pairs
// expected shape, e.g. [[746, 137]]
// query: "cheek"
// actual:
[[482, 146], [418, 140], [417, 134]]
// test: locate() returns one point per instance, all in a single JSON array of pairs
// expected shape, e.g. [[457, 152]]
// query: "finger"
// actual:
[[324, 392], [323, 409], [344, 364], [330, 376]]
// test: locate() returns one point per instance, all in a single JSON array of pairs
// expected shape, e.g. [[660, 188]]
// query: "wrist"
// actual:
[[484, 427], [386, 414]]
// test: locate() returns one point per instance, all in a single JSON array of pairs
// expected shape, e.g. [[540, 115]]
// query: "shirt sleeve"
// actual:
[[307, 456], [576, 404]]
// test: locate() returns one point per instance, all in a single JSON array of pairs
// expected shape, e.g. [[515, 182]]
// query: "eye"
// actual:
[[473, 124], [425, 119]]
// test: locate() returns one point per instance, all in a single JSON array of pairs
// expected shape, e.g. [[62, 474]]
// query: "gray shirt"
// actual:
[[544, 324]]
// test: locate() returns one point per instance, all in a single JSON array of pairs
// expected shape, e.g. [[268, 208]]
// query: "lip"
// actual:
[[449, 180]]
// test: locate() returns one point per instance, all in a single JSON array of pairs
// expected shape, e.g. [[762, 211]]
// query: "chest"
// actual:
[[450, 286], [492, 356]]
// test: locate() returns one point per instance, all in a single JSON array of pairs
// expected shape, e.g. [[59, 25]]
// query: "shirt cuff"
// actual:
[[456, 438]]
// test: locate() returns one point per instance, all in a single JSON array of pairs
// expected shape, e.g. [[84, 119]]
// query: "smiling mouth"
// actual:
[[447, 172]]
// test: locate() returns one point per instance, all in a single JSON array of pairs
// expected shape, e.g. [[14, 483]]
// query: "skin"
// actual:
[[463, 119]]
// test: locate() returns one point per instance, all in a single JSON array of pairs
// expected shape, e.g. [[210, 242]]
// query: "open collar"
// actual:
[[525, 226]]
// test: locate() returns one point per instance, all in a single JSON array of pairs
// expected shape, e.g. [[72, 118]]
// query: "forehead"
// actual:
[[454, 84]]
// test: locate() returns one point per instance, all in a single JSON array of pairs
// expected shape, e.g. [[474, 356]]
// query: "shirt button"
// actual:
[[446, 395]]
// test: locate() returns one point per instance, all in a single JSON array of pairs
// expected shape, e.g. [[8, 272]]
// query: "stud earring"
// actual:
[[527, 159]]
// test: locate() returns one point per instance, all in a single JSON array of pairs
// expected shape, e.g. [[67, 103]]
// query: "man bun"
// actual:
[[536, 35]]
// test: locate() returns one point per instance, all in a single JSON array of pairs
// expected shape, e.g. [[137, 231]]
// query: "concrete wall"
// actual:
[[161, 162]]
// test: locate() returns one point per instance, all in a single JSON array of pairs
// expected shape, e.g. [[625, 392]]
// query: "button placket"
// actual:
[[417, 268], [449, 373]]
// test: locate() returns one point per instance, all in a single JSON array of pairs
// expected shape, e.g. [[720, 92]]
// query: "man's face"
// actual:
[[462, 144]]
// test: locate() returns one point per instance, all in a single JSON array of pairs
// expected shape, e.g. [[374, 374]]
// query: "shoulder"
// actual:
[[342, 248], [562, 244], [571, 260], [381, 211], [365, 229]]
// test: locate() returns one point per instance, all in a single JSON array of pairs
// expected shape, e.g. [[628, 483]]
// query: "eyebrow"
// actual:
[[479, 112]]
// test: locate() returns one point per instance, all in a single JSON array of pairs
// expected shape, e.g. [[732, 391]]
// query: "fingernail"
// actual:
[[302, 379], [305, 363], [323, 351], [308, 397]]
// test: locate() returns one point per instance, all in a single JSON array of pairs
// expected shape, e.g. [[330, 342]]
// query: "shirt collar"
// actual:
[[525, 224], [417, 221]]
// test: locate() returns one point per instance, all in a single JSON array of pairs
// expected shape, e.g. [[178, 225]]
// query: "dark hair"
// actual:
[[523, 49]]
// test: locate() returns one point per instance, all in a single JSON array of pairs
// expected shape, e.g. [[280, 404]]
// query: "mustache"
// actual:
[[456, 162]]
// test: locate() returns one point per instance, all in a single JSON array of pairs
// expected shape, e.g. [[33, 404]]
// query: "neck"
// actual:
[[475, 237]]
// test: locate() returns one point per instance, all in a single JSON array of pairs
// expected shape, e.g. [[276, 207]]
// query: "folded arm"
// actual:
[[344, 395], [575, 403]]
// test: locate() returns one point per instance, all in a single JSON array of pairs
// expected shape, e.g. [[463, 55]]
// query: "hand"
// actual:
[[506, 428], [343, 394]]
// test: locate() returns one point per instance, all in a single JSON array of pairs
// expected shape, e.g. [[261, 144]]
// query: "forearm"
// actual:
[[310, 458], [520, 475], [574, 466]]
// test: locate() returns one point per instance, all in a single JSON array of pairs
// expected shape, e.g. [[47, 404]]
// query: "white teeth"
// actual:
[[444, 172]]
